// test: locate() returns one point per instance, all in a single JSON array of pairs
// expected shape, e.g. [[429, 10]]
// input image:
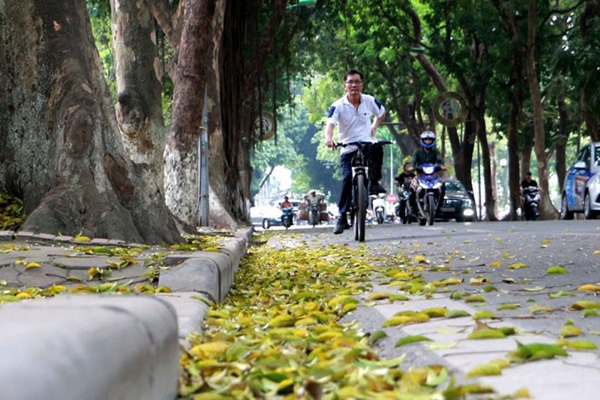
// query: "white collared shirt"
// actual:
[[354, 124]]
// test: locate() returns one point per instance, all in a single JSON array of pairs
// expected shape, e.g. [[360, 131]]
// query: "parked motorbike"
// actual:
[[287, 217], [531, 203], [428, 192], [378, 204]]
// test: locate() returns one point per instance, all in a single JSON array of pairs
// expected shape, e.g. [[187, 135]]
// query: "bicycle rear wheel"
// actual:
[[361, 208]]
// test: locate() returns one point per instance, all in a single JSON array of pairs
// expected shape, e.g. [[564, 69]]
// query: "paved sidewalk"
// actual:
[[103, 346]]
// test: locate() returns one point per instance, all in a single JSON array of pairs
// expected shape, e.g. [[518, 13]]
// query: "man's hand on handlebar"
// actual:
[[331, 143]]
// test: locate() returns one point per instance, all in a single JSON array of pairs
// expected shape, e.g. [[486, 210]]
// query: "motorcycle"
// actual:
[[532, 198], [402, 210], [287, 217], [428, 193], [378, 204], [314, 216]]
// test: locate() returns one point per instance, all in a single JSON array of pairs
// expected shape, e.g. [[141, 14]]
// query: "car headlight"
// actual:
[[468, 212]]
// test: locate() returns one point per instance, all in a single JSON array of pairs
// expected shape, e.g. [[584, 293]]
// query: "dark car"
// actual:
[[457, 204]]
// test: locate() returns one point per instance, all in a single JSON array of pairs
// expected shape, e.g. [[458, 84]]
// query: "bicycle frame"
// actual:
[[360, 173]]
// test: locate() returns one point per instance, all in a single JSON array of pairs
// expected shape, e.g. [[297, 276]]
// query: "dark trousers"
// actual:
[[374, 153]]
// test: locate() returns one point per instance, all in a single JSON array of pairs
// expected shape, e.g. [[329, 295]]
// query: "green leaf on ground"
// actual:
[[412, 339]]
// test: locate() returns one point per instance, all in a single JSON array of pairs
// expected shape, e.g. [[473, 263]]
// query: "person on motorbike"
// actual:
[[313, 197], [426, 154], [403, 181], [525, 183], [352, 113], [285, 205], [405, 177]]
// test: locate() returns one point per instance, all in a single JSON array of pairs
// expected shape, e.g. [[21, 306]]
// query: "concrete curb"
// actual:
[[89, 347], [112, 347]]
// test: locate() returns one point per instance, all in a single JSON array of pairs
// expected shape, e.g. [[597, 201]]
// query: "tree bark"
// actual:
[[139, 85], [181, 155], [561, 142], [516, 97], [548, 211], [61, 148]]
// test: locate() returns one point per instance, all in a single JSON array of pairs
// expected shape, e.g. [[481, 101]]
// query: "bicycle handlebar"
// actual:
[[360, 144]]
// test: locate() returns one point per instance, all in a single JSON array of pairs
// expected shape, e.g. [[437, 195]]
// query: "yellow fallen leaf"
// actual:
[[589, 287], [23, 295], [33, 265], [488, 369], [518, 266], [208, 350], [507, 256], [479, 281], [282, 321], [82, 239], [378, 296], [420, 259], [597, 252], [522, 393], [496, 264]]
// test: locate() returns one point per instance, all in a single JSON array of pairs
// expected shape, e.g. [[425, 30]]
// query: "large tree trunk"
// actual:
[[139, 84], [61, 150], [516, 106], [561, 142], [546, 208], [181, 154], [220, 215], [490, 198]]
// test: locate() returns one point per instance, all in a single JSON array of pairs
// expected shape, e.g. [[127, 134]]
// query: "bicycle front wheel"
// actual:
[[361, 208]]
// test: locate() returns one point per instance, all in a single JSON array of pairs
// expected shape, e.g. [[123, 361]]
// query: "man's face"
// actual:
[[353, 84], [428, 141]]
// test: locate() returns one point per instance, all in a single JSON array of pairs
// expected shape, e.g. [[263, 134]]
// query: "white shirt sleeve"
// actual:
[[376, 108], [333, 115]]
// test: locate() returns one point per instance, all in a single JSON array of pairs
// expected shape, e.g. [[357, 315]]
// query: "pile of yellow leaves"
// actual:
[[12, 212], [277, 335]]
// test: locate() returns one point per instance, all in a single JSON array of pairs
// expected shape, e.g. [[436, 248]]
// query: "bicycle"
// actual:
[[361, 184]]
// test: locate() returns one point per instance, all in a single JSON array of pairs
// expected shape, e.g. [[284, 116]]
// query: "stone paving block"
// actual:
[[84, 262], [45, 276], [7, 235], [25, 235], [89, 347], [43, 236], [99, 241], [64, 238]]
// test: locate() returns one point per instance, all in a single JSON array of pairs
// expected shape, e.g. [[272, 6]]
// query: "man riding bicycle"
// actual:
[[352, 113]]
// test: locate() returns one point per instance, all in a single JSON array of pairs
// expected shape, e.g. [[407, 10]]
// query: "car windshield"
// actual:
[[597, 156], [454, 187]]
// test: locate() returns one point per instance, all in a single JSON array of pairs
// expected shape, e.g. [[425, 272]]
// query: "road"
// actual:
[[505, 263]]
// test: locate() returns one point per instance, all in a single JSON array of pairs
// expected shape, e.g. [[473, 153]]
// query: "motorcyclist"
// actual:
[[426, 154], [313, 197], [525, 183], [284, 205], [403, 181], [405, 177]]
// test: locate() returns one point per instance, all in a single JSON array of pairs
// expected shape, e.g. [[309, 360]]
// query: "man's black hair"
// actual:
[[527, 173], [405, 164], [353, 72]]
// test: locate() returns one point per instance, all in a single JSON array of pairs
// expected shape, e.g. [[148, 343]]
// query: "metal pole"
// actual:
[[203, 198], [391, 168]]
